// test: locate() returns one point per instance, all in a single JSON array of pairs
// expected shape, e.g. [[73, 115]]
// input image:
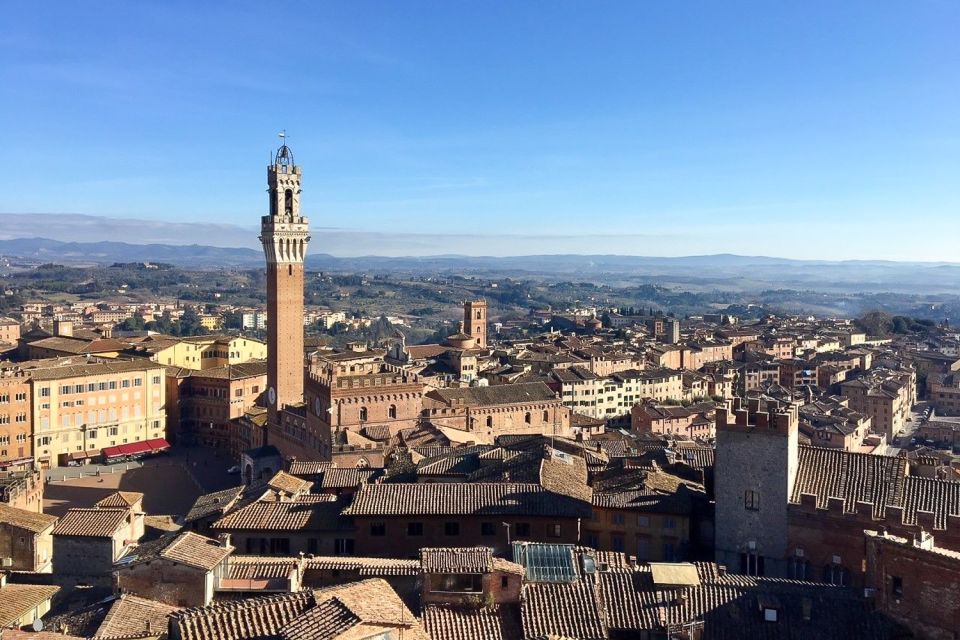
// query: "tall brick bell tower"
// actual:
[[284, 234]]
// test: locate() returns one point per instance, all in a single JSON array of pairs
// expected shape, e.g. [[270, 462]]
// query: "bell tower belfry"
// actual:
[[284, 234]]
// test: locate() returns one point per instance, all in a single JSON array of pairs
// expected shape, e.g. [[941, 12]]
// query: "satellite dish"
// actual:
[[38, 625]]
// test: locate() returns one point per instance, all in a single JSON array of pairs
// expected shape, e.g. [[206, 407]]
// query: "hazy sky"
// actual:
[[802, 129]]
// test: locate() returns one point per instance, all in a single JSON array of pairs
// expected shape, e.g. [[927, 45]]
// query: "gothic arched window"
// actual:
[[288, 201]]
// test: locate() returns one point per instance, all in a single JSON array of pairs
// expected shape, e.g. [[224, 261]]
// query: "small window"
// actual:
[[489, 421], [504, 582], [751, 500], [488, 529], [523, 529], [451, 529], [392, 411], [896, 588], [414, 528], [363, 414], [528, 418], [553, 531], [378, 529]]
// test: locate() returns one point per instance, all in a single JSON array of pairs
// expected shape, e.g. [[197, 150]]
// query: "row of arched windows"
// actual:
[[363, 414]]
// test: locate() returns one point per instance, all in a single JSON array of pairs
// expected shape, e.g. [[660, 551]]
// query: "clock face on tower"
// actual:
[[272, 396]]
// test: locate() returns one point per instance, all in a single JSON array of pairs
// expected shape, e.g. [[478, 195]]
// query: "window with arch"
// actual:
[[288, 201], [489, 421], [528, 418], [751, 563], [363, 414], [836, 574], [546, 416], [392, 411], [479, 315]]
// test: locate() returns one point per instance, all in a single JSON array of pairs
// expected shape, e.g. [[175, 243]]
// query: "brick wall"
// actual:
[[918, 587]]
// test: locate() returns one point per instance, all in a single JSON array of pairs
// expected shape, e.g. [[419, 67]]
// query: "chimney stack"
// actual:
[[63, 328], [224, 539]]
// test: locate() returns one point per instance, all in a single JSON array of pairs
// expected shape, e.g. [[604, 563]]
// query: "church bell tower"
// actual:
[[284, 234]]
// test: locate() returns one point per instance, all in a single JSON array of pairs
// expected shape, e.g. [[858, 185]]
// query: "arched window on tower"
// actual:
[[363, 414], [392, 411], [489, 421], [546, 416], [288, 201], [528, 418], [479, 315]]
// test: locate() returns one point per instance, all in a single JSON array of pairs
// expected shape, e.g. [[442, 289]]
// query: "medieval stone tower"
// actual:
[[475, 321], [756, 466], [284, 234]]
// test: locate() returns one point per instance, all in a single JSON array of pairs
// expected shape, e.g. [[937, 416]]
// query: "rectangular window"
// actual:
[[488, 529], [522, 530], [343, 546], [751, 500], [896, 587], [44, 392], [378, 529], [137, 382], [451, 528], [553, 531], [124, 384], [414, 528], [156, 379], [458, 583]]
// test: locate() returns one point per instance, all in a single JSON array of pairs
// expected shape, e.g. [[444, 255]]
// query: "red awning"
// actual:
[[136, 448], [158, 444], [111, 452]]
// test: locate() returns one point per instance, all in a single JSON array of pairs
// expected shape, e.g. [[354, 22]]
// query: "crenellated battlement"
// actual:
[[869, 514], [758, 416]]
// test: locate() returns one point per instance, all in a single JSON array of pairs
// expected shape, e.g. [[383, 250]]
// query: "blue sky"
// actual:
[[810, 130]]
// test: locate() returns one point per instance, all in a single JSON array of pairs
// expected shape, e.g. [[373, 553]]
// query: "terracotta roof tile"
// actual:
[[283, 481], [131, 616], [305, 513], [247, 619], [23, 519], [121, 499], [463, 499], [17, 600], [93, 523], [451, 622]]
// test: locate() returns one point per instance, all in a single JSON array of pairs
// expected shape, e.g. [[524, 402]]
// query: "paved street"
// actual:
[[170, 482]]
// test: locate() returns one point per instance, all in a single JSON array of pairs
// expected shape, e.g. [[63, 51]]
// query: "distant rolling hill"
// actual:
[[723, 270]]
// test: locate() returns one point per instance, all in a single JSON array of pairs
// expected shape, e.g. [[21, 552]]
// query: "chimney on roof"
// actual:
[[63, 328], [721, 570], [224, 539], [923, 540]]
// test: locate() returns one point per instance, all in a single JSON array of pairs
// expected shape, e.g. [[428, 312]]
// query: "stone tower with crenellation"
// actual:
[[754, 473], [475, 321], [284, 234]]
